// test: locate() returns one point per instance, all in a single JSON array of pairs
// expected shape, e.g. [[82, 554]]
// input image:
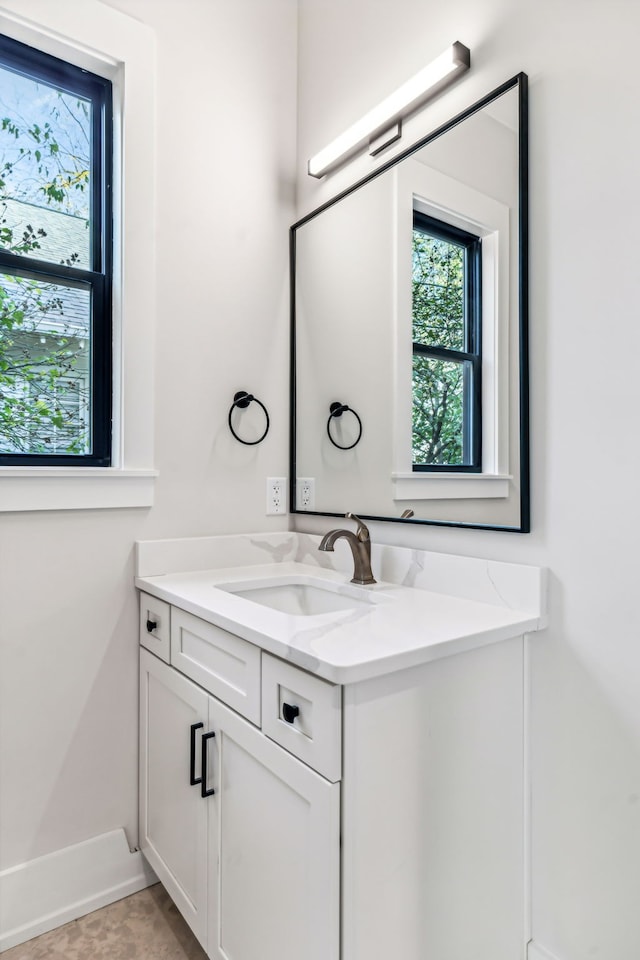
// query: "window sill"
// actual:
[[74, 488], [449, 486]]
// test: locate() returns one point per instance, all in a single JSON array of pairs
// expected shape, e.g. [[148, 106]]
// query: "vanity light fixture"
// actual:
[[382, 125]]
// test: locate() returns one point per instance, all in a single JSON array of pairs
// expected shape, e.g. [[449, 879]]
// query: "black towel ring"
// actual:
[[336, 410], [242, 399]]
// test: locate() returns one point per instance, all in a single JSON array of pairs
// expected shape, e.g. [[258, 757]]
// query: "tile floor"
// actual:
[[145, 926]]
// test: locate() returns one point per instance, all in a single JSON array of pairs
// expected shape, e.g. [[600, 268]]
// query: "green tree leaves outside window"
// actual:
[[45, 327], [438, 321]]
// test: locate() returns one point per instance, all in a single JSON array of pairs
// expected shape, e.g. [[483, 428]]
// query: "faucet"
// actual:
[[360, 548]]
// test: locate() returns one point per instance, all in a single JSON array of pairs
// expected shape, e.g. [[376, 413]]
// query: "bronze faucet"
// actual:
[[360, 548]]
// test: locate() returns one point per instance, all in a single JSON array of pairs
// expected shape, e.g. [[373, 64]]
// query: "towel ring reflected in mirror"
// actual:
[[336, 409]]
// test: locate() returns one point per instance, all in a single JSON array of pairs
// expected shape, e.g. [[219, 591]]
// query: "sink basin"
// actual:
[[302, 596]]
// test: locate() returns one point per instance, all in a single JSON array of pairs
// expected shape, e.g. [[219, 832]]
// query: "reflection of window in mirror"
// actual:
[[446, 315], [452, 245]]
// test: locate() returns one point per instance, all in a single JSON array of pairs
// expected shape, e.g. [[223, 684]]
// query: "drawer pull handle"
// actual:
[[203, 788], [151, 625], [290, 712], [192, 754]]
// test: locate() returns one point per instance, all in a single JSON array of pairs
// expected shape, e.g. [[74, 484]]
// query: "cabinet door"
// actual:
[[173, 815], [274, 849]]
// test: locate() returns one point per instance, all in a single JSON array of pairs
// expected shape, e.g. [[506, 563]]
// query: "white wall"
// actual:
[[585, 193], [68, 621], [344, 348]]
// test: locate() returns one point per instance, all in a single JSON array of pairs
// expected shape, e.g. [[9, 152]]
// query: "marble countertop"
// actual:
[[403, 626]]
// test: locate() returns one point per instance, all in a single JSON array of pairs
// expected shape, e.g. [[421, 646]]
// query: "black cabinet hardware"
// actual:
[[203, 789], [290, 712], [192, 754], [151, 625]]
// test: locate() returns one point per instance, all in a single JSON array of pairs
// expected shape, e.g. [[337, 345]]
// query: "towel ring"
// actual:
[[242, 399], [336, 410]]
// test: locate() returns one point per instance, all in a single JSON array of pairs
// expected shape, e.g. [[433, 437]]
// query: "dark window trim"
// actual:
[[472, 354], [74, 80]]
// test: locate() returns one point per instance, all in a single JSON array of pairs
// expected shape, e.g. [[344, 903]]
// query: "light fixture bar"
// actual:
[[431, 79]]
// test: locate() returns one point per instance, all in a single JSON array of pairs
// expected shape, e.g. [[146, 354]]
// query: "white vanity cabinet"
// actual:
[[375, 819], [173, 816], [244, 836], [273, 849]]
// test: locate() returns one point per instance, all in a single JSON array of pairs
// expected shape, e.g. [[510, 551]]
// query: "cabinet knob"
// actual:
[[151, 625], [290, 712]]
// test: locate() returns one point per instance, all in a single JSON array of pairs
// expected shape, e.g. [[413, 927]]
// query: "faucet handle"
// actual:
[[362, 533]]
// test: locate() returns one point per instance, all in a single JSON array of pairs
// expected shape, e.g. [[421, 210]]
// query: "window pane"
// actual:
[[44, 171], [438, 292], [45, 351], [439, 388]]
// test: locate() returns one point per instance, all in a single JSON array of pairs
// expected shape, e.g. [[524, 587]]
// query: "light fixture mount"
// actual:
[[383, 125]]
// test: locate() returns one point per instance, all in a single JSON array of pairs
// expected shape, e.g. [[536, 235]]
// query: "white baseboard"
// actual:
[[536, 952], [44, 893]]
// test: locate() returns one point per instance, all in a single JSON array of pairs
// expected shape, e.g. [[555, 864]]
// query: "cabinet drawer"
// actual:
[[225, 665], [302, 713], [155, 626]]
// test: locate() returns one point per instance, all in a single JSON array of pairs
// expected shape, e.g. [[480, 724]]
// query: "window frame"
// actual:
[[111, 44], [472, 353], [418, 187], [75, 80]]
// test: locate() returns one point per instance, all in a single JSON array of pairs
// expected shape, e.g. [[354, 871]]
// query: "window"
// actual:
[[446, 325], [452, 307], [55, 261], [107, 44]]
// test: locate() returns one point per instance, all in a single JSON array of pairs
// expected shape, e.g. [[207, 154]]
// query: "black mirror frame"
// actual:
[[519, 81]]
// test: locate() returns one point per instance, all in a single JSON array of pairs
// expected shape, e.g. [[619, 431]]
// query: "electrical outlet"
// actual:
[[276, 495], [306, 493]]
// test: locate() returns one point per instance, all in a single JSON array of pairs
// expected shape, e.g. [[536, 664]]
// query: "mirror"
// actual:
[[409, 332]]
